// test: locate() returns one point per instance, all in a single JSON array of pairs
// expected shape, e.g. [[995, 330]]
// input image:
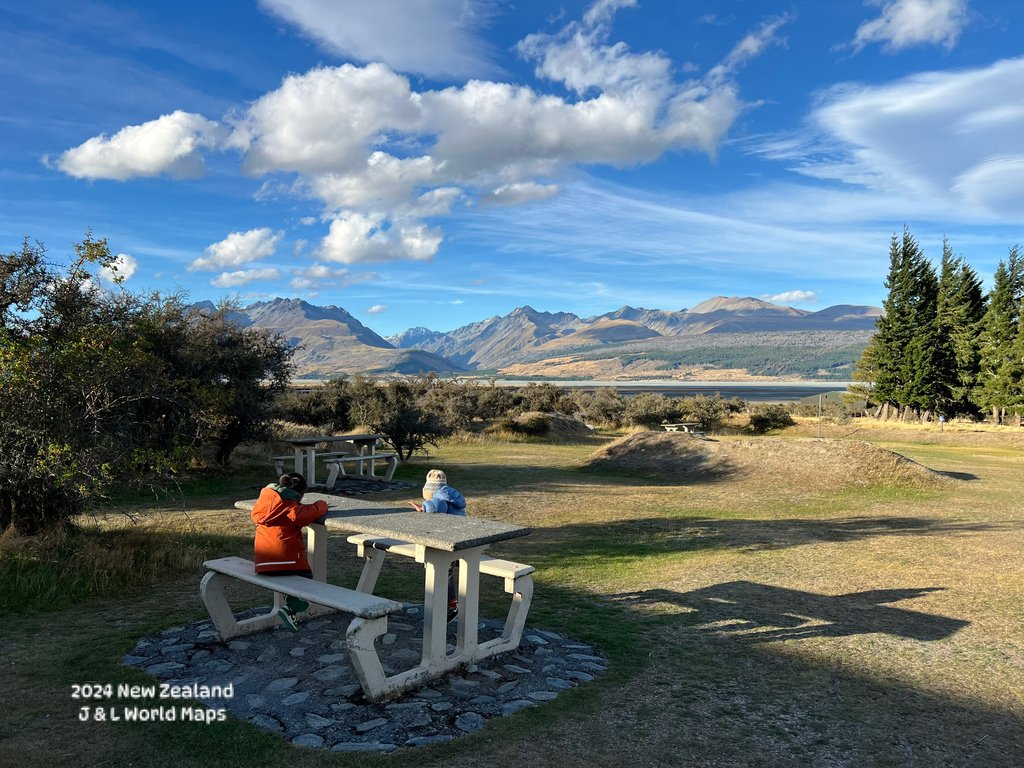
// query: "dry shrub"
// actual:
[[811, 462], [553, 427]]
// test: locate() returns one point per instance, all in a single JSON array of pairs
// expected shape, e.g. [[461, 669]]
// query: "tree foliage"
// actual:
[[102, 388], [942, 347]]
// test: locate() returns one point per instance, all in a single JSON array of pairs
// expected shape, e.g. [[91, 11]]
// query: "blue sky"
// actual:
[[437, 162]]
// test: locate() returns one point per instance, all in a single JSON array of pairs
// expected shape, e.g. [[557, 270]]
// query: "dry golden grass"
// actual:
[[771, 619], [820, 463]]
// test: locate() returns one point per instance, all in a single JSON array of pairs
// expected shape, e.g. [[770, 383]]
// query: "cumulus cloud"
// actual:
[[871, 136], [906, 23], [244, 277], [384, 157], [376, 309], [237, 249], [171, 144], [121, 269], [793, 297], [356, 237], [322, 276], [436, 38]]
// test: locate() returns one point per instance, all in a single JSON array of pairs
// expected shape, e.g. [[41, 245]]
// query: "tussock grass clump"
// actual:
[[63, 566], [819, 463]]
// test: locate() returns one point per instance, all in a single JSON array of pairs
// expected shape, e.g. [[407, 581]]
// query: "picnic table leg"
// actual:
[[300, 454], [316, 551], [435, 605], [469, 603]]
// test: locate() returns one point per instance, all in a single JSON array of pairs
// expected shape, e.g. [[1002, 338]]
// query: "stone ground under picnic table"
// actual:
[[302, 684]]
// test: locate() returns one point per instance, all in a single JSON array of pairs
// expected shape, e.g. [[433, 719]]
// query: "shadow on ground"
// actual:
[[637, 538], [761, 613]]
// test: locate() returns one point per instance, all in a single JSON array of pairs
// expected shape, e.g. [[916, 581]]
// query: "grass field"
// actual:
[[746, 623]]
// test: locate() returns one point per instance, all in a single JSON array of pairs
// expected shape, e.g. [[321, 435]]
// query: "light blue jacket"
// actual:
[[446, 500]]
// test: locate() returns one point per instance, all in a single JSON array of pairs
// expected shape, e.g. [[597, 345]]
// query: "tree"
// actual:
[[961, 310], [392, 410], [108, 388], [999, 379]]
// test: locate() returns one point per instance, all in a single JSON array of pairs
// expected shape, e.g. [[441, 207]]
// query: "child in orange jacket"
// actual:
[[280, 516]]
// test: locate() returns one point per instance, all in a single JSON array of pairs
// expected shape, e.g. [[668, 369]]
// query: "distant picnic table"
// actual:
[[682, 426]]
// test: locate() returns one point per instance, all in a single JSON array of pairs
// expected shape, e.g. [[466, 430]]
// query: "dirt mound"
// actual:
[[819, 463]]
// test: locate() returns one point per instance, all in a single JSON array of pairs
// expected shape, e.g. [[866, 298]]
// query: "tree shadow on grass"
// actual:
[[759, 613], [641, 537]]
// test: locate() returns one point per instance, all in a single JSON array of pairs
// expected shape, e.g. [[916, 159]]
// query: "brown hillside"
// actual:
[[804, 461]]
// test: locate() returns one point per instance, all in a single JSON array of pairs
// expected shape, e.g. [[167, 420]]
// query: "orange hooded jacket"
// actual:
[[279, 518]]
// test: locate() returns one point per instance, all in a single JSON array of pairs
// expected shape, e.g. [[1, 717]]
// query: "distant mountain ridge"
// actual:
[[525, 332], [330, 341]]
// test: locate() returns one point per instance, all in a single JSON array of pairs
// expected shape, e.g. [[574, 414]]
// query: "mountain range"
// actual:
[[629, 342]]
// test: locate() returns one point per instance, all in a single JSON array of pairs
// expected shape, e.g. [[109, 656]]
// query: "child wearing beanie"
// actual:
[[439, 497]]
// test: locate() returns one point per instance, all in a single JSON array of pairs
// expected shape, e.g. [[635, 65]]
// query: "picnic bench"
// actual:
[[690, 427], [370, 613], [305, 453], [435, 540], [517, 576], [335, 461]]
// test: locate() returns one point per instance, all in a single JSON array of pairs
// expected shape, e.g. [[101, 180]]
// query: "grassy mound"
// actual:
[[550, 426], [821, 463]]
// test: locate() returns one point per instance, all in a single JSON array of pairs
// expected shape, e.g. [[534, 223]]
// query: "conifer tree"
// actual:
[[961, 309], [999, 375]]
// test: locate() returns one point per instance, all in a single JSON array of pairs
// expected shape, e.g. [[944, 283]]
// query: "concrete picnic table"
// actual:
[[440, 540], [680, 426], [305, 451]]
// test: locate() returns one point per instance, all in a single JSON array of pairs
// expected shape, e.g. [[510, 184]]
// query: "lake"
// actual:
[[752, 391]]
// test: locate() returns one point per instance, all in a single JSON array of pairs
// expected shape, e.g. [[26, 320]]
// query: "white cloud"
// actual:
[[323, 276], [384, 158], [237, 249], [308, 221], [793, 297], [949, 140], [170, 144], [514, 194], [436, 38], [751, 46], [122, 268], [244, 277], [355, 238], [905, 23], [376, 309]]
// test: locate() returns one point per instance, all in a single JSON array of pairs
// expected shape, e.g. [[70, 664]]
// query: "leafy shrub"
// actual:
[[769, 417], [535, 425], [706, 411], [648, 409]]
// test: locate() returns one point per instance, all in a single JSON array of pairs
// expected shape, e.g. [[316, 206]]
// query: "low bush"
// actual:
[[769, 417]]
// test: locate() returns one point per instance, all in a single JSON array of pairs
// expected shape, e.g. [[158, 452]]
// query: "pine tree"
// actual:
[[961, 309], [999, 377]]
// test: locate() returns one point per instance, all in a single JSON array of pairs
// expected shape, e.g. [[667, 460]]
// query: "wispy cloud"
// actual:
[[437, 38]]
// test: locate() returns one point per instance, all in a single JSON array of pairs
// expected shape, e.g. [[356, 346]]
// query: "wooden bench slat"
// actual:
[[361, 604]]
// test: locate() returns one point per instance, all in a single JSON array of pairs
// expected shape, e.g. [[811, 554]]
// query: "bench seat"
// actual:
[[335, 465], [370, 614], [518, 579]]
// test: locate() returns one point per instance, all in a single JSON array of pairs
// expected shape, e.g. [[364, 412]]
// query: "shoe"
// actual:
[[453, 611], [288, 619]]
